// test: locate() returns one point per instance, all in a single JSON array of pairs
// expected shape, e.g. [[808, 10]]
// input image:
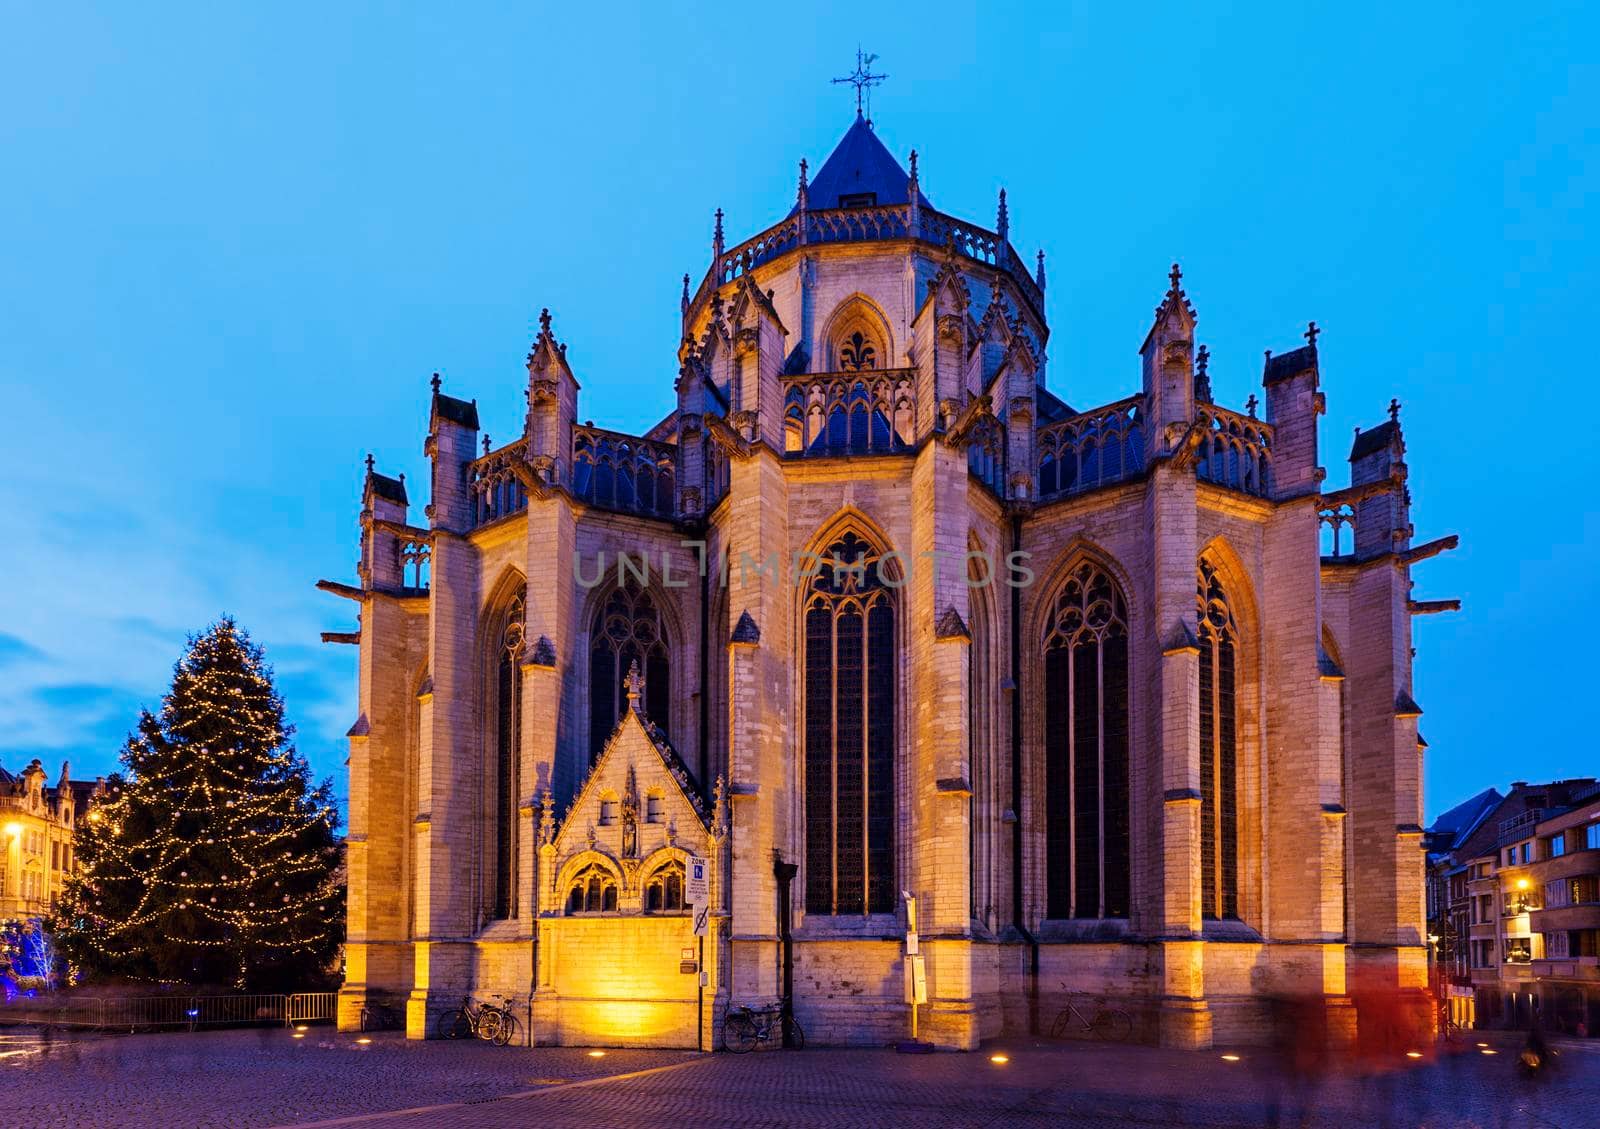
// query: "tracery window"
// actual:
[[593, 890], [1086, 748], [507, 755], [857, 352], [1219, 768], [626, 629], [663, 890], [850, 676]]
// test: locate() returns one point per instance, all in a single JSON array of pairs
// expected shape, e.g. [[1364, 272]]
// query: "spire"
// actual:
[[1002, 222], [683, 302], [1394, 412], [1250, 405], [486, 446], [801, 203], [716, 241], [435, 382], [1038, 275], [860, 170], [369, 462], [1202, 378], [1312, 333]]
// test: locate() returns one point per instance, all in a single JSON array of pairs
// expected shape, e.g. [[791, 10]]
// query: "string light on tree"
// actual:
[[214, 812]]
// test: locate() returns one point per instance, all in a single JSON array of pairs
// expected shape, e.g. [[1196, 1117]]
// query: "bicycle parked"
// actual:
[[1108, 1023], [492, 1022], [744, 1028], [381, 1017]]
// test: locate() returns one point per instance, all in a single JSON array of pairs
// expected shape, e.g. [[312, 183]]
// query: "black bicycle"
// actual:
[[381, 1017], [745, 1028], [493, 1023]]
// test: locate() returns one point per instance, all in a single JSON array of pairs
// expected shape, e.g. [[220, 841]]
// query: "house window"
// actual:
[[1558, 846], [1086, 748], [627, 629], [1591, 837], [858, 200], [1219, 786], [594, 890], [663, 890], [1527, 851], [850, 676], [507, 755]]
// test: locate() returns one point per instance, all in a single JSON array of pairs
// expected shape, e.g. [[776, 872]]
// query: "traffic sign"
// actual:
[[697, 887]]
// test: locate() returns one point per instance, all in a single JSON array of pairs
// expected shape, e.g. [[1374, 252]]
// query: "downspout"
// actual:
[[705, 669], [784, 872], [1016, 788]]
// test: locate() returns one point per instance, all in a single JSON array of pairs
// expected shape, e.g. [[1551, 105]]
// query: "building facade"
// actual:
[[1120, 694], [36, 828], [1522, 892]]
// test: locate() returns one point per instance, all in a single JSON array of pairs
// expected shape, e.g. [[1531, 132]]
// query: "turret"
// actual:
[[552, 405], [1168, 351], [452, 445], [1293, 404], [383, 499], [755, 397], [1383, 519]]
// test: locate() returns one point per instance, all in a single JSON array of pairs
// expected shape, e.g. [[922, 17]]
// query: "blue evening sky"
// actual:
[[234, 244]]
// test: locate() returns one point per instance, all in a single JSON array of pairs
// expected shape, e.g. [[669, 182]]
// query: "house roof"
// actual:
[[1453, 827], [860, 164]]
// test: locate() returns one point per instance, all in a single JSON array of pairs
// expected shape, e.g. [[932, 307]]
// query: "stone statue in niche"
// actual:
[[630, 817]]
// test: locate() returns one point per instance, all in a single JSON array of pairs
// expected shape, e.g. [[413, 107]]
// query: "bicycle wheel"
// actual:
[[1058, 1029], [797, 1037], [1112, 1025], [509, 1030], [453, 1024], [488, 1025], [738, 1032]]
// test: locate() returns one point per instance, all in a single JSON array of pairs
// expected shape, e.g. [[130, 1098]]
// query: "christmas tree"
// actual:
[[211, 859]]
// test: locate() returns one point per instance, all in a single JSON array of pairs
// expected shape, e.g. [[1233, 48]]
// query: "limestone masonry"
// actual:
[[1120, 694]]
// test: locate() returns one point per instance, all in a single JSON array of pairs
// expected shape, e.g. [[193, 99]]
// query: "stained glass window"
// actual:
[[850, 677], [1219, 762], [507, 755], [1086, 748], [627, 629]]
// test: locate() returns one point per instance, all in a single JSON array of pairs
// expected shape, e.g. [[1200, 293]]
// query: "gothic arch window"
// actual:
[[663, 890], [1086, 748], [627, 629], [507, 745], [1219, 756], [593, 890], [849, 685], [857, 336]]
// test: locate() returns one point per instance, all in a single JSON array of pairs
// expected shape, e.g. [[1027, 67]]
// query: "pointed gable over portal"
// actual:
[[860, 172], [638, 808]]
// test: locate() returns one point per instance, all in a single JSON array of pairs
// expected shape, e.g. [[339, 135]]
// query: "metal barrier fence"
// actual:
[[149, 1013]]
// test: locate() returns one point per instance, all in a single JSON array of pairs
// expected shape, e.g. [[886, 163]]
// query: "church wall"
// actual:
[[619, 982]]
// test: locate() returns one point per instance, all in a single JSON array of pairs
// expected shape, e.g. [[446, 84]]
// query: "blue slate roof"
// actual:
[[860, 164]]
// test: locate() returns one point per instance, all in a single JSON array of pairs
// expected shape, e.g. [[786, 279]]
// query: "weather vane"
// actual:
[[863, 80]]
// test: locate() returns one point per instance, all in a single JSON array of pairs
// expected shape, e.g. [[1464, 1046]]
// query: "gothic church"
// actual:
[[1120, 694]]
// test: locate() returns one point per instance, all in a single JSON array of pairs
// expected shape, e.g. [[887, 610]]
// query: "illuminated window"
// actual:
[[1219, 784], [626, 630], [1591, 837], [663, 890], [594, 890], [1086, 748], [850, 677]]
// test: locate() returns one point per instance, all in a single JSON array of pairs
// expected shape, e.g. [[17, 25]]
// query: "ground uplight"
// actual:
[[1413, 1054], [999, 1060], [597, 1054], [1230, 1058]]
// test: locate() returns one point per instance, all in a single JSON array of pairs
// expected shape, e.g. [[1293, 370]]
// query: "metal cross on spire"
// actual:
[[863, 80]]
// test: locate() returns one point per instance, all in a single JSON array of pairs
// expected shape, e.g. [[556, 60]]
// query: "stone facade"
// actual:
[[36, 827], [1115, 704]]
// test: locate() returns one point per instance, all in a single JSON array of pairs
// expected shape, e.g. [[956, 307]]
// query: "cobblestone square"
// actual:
[[266, 1078]]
